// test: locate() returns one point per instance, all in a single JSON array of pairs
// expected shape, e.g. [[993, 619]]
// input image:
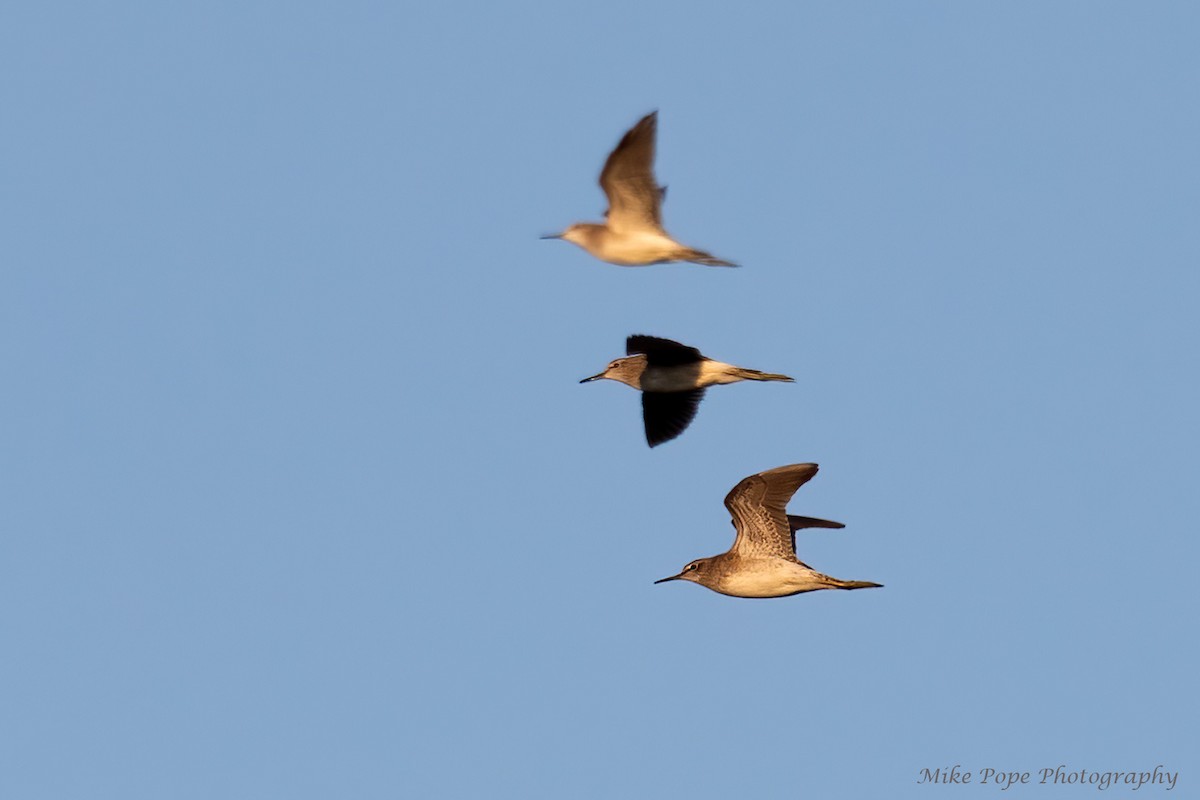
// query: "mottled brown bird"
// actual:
[[762, 561]]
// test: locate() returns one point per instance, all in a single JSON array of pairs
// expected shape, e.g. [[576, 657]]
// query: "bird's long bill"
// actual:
[[552, 236], [672, 578], [596, 377]]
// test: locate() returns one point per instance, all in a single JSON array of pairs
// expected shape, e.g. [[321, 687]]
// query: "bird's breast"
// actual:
[[768, 578], [635, 248]]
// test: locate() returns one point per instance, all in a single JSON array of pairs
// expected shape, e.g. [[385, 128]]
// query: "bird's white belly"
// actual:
[[636, 248], [774, 578]]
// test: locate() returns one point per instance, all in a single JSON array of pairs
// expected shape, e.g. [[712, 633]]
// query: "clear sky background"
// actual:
[[301, 496]]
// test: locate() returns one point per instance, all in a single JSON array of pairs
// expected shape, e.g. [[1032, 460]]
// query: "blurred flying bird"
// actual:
[[633, 235]]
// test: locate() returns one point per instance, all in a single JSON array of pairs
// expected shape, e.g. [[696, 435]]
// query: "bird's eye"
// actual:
[[691, 567]]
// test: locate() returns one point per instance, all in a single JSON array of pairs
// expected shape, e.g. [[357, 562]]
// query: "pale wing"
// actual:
[[758, 506], [797, 523], [634, 196]]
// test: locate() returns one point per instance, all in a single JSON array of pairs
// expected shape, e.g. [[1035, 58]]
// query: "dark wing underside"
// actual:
[[758, 506], [667, 414], [662, 352], [634, 196], [796, 523]]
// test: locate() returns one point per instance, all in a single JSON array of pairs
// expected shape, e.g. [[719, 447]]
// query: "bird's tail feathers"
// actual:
[[707, 259], [840, 584], [756, 375]]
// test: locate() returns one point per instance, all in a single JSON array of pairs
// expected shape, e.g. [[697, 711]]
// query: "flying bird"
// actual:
[[762, 561], [672, 378], [633, 234]]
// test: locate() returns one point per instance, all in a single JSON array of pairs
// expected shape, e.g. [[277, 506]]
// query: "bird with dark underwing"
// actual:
[[672, 378]]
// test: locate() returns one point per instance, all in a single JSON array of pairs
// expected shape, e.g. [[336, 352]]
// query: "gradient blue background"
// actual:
[[301, 497]]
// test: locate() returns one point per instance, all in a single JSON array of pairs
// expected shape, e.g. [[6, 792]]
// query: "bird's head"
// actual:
[[627, 370], [699, 571], [579, 233]]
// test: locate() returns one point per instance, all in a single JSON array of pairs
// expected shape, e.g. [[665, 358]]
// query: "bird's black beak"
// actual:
[[672, 578], [552, 236], [593, 378]]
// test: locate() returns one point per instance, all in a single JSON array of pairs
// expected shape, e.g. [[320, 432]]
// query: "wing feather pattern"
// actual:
[[634, 196], [758, 506]]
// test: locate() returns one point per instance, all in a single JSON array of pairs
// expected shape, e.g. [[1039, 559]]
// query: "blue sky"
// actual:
[[301, 496]]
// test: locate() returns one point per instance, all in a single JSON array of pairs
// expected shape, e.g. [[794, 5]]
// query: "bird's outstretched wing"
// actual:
[[796, 523], [758, 506], [667, 414], [634, 196], [662, 352]]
